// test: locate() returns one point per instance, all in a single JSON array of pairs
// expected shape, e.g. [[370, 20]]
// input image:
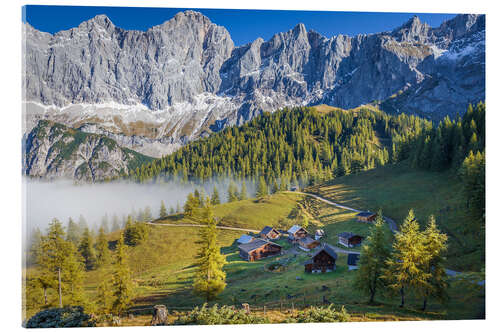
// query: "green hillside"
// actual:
[[290, 145], [397, 188], [169, 279]]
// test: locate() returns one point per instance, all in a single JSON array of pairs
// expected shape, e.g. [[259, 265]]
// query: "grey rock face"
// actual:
[[185, 79], [97, 62], [55, 151]]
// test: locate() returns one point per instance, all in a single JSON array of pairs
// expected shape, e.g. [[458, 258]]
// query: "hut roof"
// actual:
[[328, 249], [346, 234], [307, 240], [245, 239], [255, 244], [365, 214], [294, 229], [267, 229]]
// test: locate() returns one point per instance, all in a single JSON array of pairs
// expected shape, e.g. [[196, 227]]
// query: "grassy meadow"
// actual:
[[164, 273], [163, 267]]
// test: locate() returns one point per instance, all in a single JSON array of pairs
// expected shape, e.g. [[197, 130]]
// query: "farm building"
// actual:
[[296, 232], [352, 261], [322, 261], [320, 233], [366, 216], [259, 249], [348, 239], [245, 239], [269, 233], [307, 243]]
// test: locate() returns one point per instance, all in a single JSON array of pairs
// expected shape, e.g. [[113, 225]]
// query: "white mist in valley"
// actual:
[[46, 200]]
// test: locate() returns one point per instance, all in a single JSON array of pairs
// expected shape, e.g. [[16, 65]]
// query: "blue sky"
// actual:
[[243, 25]]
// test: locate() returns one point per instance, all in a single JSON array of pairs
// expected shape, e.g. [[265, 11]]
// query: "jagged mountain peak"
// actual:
[[413, 30], [462, 25], [299, 29], [192, 14], [99, 21], [188, 17]]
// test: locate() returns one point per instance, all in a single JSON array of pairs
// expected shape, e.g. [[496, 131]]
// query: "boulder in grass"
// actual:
[[160, 315]]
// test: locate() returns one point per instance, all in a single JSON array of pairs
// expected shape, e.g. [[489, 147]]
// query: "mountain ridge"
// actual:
[[185, 78]]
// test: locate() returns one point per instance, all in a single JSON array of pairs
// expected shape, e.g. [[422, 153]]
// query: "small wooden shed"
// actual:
[[366, 216], [348, 239], [269, 233]]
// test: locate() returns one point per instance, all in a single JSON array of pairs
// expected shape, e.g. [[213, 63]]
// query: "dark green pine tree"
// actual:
[[86, 249], [275, 187], [243, 192], [232, 192], [163, 211], [435, 247], [210, 278], [122, 281], [215, 199], [103, 254], [262, 188], [191, 205]]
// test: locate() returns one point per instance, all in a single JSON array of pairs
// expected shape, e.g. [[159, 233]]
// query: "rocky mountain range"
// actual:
[[153, 91], [53, 150]]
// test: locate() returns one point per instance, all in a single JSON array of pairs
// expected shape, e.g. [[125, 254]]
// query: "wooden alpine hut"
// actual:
[[259, 249], [269, 233], [322, 261]]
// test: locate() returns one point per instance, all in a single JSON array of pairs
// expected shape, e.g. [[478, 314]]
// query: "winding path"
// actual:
[[325, 200], [390, 222]]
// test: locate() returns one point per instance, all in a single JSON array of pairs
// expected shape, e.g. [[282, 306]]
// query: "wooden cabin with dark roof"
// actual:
[[259, 249], [322, 261], [348, 239], [296, 232], [269, 233], [366, 216]]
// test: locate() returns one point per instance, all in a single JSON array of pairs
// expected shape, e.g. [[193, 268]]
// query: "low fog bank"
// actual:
[[46, 200]]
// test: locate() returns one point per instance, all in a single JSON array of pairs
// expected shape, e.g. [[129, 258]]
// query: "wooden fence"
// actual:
[[284, 305]]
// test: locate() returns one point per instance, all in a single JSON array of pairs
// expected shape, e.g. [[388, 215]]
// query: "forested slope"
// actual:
[[290, 145]]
